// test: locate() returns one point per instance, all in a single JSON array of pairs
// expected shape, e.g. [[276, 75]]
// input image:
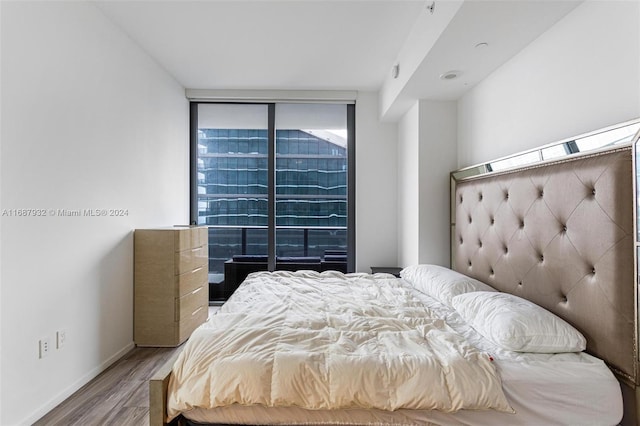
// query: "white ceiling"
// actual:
[[331, 44], [302, 44], [506, 26]]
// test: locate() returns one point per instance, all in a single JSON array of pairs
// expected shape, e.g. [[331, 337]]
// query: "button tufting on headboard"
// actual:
[[551, 260]]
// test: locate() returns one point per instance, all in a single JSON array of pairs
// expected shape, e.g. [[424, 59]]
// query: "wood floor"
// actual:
[[118, 396]]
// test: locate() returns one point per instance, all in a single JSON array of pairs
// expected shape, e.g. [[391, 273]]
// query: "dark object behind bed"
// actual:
[[237, 268]]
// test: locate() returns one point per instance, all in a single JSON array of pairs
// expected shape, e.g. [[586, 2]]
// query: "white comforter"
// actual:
[[329, 341]]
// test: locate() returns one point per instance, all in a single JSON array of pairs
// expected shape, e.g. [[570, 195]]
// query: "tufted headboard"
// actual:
[[561, 235]]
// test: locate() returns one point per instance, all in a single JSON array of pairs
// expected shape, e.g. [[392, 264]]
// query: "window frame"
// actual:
[[271, 158]]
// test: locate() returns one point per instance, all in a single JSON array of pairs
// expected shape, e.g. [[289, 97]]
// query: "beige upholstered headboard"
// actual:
[[561, 235]]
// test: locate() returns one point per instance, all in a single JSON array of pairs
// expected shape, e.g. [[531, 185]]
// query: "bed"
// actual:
[[559, 235]]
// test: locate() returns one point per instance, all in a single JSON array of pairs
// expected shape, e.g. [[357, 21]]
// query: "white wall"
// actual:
[[438, 134], [376, 186], [408, 187], [426, 155], [88, 122], [580, 75]]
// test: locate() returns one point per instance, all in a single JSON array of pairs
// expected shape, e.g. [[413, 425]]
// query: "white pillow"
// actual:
[[441, 283], [515, 324]]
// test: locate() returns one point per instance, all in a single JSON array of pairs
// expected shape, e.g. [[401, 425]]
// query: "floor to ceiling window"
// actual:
[[272, 182]]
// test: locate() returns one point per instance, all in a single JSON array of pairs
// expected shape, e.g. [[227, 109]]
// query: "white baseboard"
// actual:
[[70, 390]]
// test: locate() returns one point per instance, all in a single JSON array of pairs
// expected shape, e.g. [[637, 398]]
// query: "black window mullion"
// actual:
[[193, 153], [271, 233], [351, 188]]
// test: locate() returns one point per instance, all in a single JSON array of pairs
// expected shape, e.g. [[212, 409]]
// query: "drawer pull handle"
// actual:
[[196, 290], [196, 270], [197, 310]]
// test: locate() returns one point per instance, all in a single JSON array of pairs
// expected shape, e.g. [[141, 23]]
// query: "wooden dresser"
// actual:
[[171, 284]]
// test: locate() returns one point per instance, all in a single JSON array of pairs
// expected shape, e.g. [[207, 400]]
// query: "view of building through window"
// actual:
[[232, 188]]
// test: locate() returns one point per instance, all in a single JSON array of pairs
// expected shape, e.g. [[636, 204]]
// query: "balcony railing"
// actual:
[[291, 241]]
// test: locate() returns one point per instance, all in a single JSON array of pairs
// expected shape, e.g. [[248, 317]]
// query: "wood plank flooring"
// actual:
[[118, 396]]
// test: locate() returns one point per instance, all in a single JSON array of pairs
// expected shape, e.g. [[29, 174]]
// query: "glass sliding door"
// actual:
[[311, 183], [275, 185], [232, 176]]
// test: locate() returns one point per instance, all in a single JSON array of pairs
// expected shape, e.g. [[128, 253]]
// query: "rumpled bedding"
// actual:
[[331, 341]]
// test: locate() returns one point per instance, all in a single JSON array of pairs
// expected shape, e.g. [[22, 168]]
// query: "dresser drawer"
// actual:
[[189, 304], [188, 260], [189, 238], [187, 325], [189, 281]]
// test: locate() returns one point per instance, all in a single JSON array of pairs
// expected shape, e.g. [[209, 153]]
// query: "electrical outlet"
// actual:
[[61, 337], [45, 347]]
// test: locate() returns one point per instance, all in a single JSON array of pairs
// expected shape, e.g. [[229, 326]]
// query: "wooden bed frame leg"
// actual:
[[158, 385]]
